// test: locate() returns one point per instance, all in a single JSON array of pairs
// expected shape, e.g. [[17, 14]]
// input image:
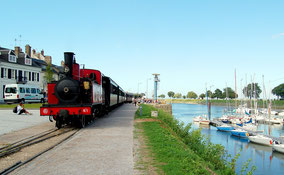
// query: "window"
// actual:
[[9, 73], [28, 90], [12, 58], [33, 76], [12, 90], [37, 77], [13, 73], [30, 76], [3, 91], [25, 75], [16, 75], [3, 72], [22, 90], [28, 61], [38, 91], [33, 90]]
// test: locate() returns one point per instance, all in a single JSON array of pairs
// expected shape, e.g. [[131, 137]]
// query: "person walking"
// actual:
[[135, 101], [21, 109]]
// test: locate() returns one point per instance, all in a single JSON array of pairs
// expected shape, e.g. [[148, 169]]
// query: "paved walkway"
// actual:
[[102, 148], [10, 121]]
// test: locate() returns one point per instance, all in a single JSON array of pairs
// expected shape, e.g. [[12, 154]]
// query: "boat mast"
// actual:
[[235, 89]]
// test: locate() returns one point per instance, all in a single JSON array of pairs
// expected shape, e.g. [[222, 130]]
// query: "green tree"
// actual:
[[217, 94], [48, 74], [178, 95], [251, 90], [230, 91], [279, 91], [209, 93], [191, 94], [162, 96], [202, 96], [171, 94], [184, 97]]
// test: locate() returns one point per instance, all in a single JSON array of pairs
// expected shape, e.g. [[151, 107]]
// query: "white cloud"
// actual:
[[277, 35]]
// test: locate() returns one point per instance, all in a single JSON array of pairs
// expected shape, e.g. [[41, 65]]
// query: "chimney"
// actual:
[[28, 50], [48, 59], [17, 50], [42, 52]]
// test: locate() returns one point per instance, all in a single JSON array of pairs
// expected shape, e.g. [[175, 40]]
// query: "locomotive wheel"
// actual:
[[82, 121], [58, 124]]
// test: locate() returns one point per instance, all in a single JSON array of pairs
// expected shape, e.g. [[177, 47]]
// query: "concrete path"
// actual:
[[10, 121], [102, 148]]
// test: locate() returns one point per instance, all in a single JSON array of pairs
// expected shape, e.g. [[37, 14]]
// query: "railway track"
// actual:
[[15, 148]]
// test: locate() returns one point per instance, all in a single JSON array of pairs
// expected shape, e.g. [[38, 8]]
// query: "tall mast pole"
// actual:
[[235, 89]]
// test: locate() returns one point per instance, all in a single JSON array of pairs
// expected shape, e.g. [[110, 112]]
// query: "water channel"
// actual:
[[266, 161]]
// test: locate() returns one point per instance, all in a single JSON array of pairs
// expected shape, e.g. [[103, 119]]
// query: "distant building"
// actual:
[[29, 67]]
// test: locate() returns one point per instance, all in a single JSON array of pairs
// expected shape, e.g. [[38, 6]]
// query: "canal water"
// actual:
[[262, 157]]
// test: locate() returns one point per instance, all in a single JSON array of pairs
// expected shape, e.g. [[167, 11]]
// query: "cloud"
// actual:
[[277, 35]]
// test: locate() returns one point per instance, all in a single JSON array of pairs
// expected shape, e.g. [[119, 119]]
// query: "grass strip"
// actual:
[[213, 156]]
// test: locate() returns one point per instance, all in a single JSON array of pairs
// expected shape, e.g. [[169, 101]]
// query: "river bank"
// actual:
[[174, 148], [276, 104]]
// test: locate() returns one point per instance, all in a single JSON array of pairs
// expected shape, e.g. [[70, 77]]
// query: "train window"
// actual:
[[28, 90], [33, 90], [38, 91], [22, 90]]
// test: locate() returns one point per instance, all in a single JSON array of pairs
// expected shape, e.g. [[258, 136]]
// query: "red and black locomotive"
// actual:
[[80, 95]]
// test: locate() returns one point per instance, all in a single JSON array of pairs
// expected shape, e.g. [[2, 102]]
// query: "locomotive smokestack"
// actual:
[[68, 59]]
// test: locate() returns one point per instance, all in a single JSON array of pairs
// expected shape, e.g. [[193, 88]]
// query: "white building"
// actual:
[[17, 67]]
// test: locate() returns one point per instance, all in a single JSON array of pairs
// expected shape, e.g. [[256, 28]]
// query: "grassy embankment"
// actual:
[[176, 149], [28, 106], [276, 104]]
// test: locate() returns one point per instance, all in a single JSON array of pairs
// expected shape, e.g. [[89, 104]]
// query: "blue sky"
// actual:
[[190, 43]]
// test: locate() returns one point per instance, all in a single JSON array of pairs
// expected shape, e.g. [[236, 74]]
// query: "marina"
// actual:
[[262, 157]]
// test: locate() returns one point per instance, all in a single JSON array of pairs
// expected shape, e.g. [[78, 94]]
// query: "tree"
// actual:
[[171, 94], [162, 96], [177, 95], [191, 94], [209, 93], [217, 94], [184, 97], [252, 90], [202, 96], [279, 91], [48, 74], [230, 91]]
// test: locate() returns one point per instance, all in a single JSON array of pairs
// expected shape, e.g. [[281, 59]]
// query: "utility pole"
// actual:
[[156, 80]]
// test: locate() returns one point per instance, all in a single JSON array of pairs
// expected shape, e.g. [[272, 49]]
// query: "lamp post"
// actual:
[[156, 80]]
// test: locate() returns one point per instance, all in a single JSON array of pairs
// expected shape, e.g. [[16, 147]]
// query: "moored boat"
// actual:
[[225, 128], [239, 133], [278, 147], [261, 139]]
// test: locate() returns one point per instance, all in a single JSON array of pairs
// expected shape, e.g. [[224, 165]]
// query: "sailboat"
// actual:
[[261, 139], [278, 147]]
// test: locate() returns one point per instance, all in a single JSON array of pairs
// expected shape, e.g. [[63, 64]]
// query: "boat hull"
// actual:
[[239, 133], [261, 140], [278, 148], [225, 128]]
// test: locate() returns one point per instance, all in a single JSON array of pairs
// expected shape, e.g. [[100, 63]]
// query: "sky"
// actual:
[[191, 44]]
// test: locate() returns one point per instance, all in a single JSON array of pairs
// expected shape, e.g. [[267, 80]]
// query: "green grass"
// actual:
[[28, 106], [171, 155], [176, 145]]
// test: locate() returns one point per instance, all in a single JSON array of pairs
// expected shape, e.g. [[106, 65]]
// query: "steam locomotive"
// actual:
[[81, 95]]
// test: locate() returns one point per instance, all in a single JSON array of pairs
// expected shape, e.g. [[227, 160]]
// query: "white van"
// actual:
[[22, 92]]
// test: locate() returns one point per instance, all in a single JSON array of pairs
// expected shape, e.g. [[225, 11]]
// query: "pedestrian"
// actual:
[[135, 101], [21, 109]]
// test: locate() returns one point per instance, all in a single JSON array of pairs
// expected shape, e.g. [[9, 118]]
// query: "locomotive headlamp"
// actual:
[[66, 69], [66, 89], [86, 85]]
